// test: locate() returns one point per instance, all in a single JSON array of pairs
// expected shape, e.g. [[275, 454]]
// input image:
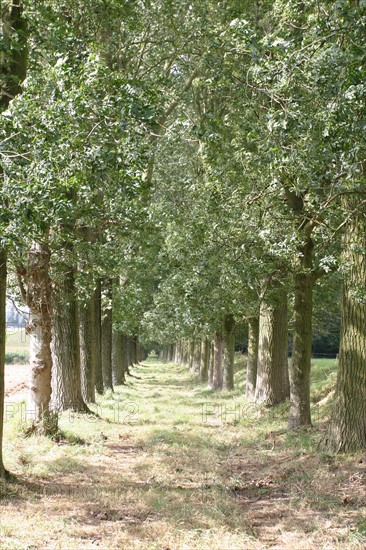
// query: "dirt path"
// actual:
[[169, 465], [16, 382]]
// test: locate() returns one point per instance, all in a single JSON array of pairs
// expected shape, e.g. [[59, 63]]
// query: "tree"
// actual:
[[272, 384], [252, 360], [347, 430], [13, 66], [229, 351], [35, 284]]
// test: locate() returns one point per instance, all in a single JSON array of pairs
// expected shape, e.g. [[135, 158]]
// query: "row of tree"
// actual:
[[265, 210], [170, 169]]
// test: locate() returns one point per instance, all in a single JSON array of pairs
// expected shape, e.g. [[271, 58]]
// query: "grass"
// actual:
[[172, 464], [17, 346], [17, 340]]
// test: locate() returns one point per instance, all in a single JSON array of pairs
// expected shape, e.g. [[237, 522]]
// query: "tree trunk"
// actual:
[[179, 356], [211, 364], [170, 353], [304, 279], [128, 353], [217, 371], [13, 68], [106, 335], [197, 357], [66, 378], [185, 357], [205, 357], [134, 350], [38, 298], [229, 351], [118, 359], [252, 361], [124, 357], [2, 351], [88, 352], [302, 340], [97, 305], [272, 374], [191, 355], [130, 345], [347, 429]]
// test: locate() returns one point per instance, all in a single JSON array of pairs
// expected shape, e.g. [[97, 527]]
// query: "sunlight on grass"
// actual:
[[169, 463]]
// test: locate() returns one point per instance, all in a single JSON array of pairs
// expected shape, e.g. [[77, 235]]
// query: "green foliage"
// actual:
[[194, 195], [21, 357]]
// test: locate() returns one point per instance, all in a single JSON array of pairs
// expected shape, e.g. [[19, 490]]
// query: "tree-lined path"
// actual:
[[186, 178], [179, 466]]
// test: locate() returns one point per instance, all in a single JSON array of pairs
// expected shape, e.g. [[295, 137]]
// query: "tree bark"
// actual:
[[217, 371], [179, 357], [229, 351], [118, 358], [134, 357], [185, 356], [106, 335], [130, 345], [3, 276], [191, 355], [272, 375], [302, 340], [88, 351], [197, 357], [304, 279], [66, 378], [13, 69], [347, 429], [37, 296], [211, 364], [170, 356], [252, 361], [205, 357], [97, 305]]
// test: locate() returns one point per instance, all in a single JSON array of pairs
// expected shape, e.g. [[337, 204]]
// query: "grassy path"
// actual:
[[171, 465]]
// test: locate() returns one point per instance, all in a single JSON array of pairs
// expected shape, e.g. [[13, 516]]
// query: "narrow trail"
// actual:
[[174, 465]]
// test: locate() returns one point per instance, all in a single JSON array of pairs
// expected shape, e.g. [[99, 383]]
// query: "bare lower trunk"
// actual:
[[134, 350], [106, 335], [2, 351], [88, 351], [191, 355], [185, 357], [124, 354], [171, 353], [97, 304], [301, 351], [118, 362], [229, 352], [217, 372], [39, 328], [211, 364], [205, 357], [197, 357], [13, 68], [179, 352], [66, 378], [252, 362], [272, 374], [347, 429], [130, 343], [304, 279]]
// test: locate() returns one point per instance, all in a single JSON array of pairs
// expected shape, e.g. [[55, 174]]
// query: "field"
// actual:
[[17, 340], [170, 464], [17, 346]]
